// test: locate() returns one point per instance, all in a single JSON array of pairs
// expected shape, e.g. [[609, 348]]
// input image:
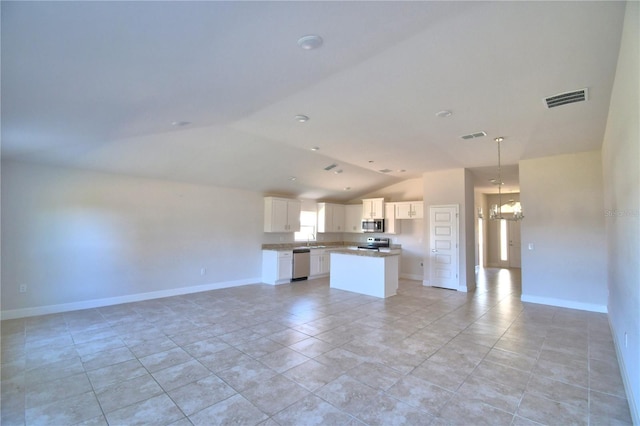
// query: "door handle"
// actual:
[[434, 250]]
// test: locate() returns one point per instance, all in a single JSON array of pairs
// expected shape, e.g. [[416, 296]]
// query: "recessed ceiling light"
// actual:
[[301, 118], [401, 171], [444, 113], [180, 123], [338, 171], [292, 178], [347, 188], [310, 42], [315, 148]]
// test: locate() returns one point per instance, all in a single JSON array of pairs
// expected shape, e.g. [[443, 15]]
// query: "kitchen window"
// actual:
[[308, 221]]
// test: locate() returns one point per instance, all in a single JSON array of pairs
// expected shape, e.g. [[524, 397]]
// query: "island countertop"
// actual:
[[363, 253]]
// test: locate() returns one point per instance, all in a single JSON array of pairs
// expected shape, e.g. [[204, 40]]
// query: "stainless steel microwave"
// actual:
[[373, 225]]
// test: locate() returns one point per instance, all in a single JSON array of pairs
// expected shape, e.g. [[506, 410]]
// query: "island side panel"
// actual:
[[373, 276]]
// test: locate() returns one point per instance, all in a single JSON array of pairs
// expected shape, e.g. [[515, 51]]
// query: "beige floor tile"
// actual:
[[153, 411], [442, 375], [54, 371], [116, 373], [247, 373], [224, 359], [67, 411], [283, 359], [558, 391], [181, 374], [201, 394], [106, 358], [501, 396], [262, 395], [390, 411], [311, 347], [511, 359], [348, 395], [153, 346], [420, 394], [125, 393], [55, 390], [608, 409], [546, 411], [310, 411], [490, 371], [376, 375], [474, 413], [340, 359], [312, 375], [233, 410], [344, 358]]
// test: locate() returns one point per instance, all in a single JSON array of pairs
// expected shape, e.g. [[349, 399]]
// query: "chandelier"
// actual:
[[495, 213]]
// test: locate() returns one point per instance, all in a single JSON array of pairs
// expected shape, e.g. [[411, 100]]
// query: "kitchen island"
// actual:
[[366, 272]]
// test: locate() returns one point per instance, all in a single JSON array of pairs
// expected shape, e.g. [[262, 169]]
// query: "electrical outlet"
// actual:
[[23, 288], [203, 271]]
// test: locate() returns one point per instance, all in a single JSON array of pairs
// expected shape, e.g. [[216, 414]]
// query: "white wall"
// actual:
[[411, 231], [563, 199], [77, 238], [620, 164], [454, 187]]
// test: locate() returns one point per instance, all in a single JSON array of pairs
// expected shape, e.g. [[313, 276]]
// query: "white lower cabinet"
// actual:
[[319, 263], [277, 266]]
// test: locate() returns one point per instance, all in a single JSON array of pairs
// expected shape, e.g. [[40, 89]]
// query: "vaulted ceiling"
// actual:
[[208, 92]]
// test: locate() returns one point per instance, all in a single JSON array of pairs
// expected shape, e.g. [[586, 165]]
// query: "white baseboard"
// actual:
[[562, 303], [98, 303], [626, 380]]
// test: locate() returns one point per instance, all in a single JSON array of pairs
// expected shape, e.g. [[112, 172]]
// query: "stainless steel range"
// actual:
[[375, 243]]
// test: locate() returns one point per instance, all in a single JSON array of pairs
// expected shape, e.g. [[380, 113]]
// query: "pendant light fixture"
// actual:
[[496, 209]]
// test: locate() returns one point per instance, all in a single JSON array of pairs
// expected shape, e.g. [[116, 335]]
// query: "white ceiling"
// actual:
[[97, 85]]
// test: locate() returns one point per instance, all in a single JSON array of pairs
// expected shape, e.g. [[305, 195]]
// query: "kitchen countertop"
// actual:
[[364, 253], [333, 246]]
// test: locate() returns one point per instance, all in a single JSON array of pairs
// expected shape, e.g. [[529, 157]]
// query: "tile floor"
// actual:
[[305, 354]]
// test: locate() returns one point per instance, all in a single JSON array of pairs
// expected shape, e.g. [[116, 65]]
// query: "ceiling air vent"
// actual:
[[385, 171], [567, 98], [331, 166], [474, 135]]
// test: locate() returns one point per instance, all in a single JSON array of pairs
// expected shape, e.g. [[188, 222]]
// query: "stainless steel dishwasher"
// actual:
[[301, 262]]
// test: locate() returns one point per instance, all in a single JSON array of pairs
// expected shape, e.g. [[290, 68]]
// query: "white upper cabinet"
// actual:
[[373, 208], [331, 217], [353, 218], [391, 225], [281, 215], [409, 210]]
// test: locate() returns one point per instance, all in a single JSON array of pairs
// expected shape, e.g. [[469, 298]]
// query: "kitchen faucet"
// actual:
[[309, 237]]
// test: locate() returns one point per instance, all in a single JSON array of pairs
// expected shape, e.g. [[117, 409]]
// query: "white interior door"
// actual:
[[443, 250], [515, 259]]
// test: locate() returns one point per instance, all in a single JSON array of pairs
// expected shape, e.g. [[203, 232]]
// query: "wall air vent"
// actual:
[[567, 98], [474, 135], [331, 166]]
